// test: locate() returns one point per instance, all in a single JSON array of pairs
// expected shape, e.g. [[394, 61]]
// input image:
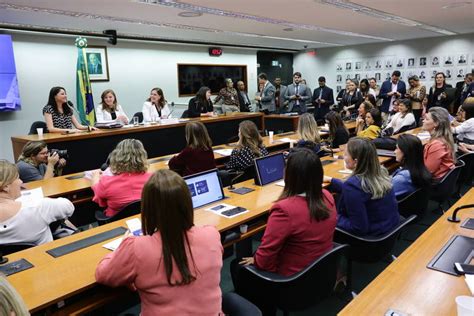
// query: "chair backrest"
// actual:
[[415, 203], [38, 124], [466, 176], [309, 286], [129, 210], [139, 115], [447, 186], [407, 128], [6, 249], [235, 305], [371, 249]]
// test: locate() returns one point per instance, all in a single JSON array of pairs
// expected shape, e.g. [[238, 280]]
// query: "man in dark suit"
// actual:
[[244, 99], [322, 100], [94, 65], [296, 95], [462, 91], [391, 90]]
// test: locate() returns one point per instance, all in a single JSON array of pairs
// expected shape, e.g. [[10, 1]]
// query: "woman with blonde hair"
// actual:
[[129, 165], [308, 133], [249, 147], [22, 223], [439, 153], [367, 203], [109, 109], [11, 303], [198, 155], [175, 266], [156, 106]]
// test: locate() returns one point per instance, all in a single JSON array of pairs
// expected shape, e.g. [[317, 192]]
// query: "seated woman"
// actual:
[[58, 115], [465, 131], [439, 152], [249, 147], [364, 108], [201, 104], [175, 266], [412, 173], [22, 223], [129, 165], [198, 155], [109, 109], [338, 133], [403, 119], [373, 121], [37, 163], [367, 204], [300, 228], [155, 107], [309, 134]]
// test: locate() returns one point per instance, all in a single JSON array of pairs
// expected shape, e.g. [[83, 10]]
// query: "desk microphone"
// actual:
[[454, 218], [172, 109], [232, 181], [71, 106]]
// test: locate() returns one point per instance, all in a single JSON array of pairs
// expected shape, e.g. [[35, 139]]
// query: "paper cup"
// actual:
[[465, 305], [244, 228], [39, 131]]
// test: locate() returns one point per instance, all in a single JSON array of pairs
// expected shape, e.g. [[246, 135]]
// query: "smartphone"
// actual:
[[462, 268]]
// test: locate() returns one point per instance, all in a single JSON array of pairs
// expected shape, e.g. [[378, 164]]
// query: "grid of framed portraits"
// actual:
[[454, 66]]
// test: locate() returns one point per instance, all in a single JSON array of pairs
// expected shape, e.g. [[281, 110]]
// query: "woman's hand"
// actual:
[[247, 261]]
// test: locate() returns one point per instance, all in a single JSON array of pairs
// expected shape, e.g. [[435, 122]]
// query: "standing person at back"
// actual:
[[279, 95], [390, 91], [266, 98], [244, 100], [323, 99], [229, 96], [296, 95], [438, 95]]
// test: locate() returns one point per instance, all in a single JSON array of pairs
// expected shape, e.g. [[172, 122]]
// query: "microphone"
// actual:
[[71, 106], [172, 109], [454, 218], [106, 164], [232, 181]]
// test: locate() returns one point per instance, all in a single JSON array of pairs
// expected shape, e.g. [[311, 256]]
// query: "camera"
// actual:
[[62, 153]]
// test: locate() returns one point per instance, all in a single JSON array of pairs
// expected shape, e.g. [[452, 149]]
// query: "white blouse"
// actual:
[[103, 115], [150, 113], [465, 130], [397, 121]]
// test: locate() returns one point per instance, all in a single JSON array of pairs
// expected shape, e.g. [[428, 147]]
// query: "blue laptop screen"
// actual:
[[205, 188], [270, 168]]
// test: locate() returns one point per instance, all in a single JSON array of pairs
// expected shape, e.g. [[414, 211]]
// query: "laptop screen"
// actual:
[[205, 188], [270, 168]]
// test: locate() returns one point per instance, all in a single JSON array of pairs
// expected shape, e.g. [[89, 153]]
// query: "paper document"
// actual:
[[285, 140], [223, 152], [106, 172], [281, 183], [30, 198], [114, 244], [423, 135], [470, 282]]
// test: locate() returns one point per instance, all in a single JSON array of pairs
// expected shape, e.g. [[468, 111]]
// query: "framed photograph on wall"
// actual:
[[97, 63], [411, 62], [448, 61], [461, 59]]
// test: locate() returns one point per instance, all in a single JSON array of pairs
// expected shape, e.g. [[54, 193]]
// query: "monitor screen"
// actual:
[[205, 188], [270, 168], [9, 93]]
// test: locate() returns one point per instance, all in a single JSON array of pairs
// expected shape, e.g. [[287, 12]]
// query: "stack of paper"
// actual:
[[223, 152]]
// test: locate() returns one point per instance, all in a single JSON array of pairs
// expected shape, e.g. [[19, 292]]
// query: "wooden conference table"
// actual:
[[89, 150], [407, 285], [70, 278]]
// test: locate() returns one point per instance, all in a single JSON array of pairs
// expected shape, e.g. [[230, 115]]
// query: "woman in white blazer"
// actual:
[[155, 107], [109, 109]]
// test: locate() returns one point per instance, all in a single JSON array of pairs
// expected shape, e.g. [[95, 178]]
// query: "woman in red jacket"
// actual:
[[300, 228]]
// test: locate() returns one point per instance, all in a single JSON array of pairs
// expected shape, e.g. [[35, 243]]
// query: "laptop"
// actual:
[[205, 187], [269, 168]]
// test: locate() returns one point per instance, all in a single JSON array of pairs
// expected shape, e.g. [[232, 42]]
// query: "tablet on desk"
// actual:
[[205, 188]]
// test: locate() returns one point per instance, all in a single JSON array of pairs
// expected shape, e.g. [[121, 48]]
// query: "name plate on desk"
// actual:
[[457, 249]]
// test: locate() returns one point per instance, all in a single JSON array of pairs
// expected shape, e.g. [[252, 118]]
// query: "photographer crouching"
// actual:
[[37, 163]]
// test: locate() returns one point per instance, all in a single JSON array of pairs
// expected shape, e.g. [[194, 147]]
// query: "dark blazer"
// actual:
[[327, 95], [387, 88], [190, 161], [434, 94], [244, 104], [195, 108], [359, 214], [458, 95]]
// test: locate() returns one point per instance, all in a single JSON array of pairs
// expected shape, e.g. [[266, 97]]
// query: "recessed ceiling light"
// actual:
[[456, 5], [189, 14]]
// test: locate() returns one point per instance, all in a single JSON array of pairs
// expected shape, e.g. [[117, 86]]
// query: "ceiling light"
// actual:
[[456, 5], [288, 29], [189, 14], [378, 14]]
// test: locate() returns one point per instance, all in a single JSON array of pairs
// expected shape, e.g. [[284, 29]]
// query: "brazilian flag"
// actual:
[[85, 102]]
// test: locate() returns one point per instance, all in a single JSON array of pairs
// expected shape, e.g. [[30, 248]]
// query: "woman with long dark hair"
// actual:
[[155, 107], [58, 115], [299, 230], [352, 98], [175, 266], [413, 173], [438, 95], [338, 133], [201, 104]]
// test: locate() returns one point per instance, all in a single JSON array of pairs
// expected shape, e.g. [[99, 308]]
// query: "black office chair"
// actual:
[[407, 128], [415, 203], [235, 305], [38, 124], [139, 115], [445, 189], [467, 175], [185, 114], [307, 287], [370, 249], [6, 249], [129, 210]]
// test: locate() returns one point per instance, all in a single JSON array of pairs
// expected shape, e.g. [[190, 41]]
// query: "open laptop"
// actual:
[[269, 168], [205, 187]]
